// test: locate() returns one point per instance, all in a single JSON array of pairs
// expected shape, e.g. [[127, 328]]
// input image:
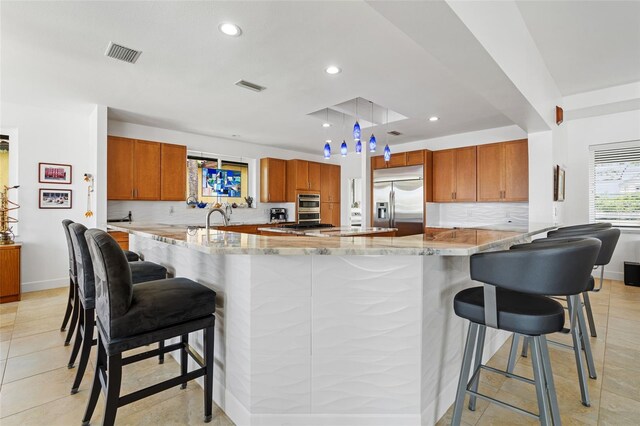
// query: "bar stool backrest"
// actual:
[[585, 226], [84, 265], [608, 237], [114, 288], [72, 260], [560, 268]]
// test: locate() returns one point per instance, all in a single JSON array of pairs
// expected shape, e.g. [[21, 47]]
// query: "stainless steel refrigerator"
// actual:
[[398, 199]]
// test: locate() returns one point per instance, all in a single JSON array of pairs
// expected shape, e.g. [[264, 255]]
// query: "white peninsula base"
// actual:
[[331, 340]]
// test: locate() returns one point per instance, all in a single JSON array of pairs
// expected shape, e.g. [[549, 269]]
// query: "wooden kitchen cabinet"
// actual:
[[454, 175], [400, 159], [503, 172], [119, 168], [415, 158], [303, 176], [330, 213], [145, 170], [122, 238], [10, 273], [173, 166], [330, 183], [273, 179]]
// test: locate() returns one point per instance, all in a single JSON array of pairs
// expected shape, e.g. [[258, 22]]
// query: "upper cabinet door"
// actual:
[[325, 182], [173, 163], [334, 180], [490, 172], [443, 175], [465, 174], [119, 168], [415, 158], [302, 174], [146, 169], [516, 154], [314, 176], [273, 173]]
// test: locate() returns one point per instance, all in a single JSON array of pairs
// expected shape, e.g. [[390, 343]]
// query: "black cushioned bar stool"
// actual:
[[131, 316], [608, 238], [140, 272], [513, 298], [71, 311]]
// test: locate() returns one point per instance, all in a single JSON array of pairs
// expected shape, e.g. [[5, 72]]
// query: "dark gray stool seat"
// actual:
[[131, 256], [518, 312], [160, 304], [130, 316], [144, 271]]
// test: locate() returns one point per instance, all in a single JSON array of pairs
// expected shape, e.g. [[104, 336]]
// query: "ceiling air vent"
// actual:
[[251, 86], [122, 53], [394, 133]]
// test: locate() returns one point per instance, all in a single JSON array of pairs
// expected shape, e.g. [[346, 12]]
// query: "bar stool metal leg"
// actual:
[[96, 387], [114, 379], [574, 305], [539, 377], [78, 340], [208, 377], [584, 339], [587, 307], [464, 373], [548, 374], [184, 358], [513, 353], [525, 346], [67, 313], [87, 342], [482, 331]]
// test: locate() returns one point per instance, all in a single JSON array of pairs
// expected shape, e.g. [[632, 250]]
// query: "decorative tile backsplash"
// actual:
[[172, 212], [476, 214]]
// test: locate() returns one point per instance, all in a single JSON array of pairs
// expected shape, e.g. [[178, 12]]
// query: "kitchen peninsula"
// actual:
[[351, 330]]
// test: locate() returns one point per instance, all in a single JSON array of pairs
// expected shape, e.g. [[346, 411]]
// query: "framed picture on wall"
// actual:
[[558, 184], [55, 198], [54, 173]]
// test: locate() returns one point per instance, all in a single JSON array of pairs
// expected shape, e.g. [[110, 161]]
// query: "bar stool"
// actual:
[[131, 316], [513, 298], [71, 311], [609, 237], [140, 272]]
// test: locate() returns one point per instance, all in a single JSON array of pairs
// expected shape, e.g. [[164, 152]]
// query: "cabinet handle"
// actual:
[[269, 196]]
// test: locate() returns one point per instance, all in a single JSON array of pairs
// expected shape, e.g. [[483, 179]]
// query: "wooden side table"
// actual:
[[10, 273]]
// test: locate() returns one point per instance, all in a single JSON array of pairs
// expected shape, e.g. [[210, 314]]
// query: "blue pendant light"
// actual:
[[372, 143], [327, 151], [356, 131], [358, 147], [343, 148], [387, 153]]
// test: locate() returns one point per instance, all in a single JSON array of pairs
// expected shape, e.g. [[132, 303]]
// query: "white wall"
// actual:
[[48, 135], [582, 133]]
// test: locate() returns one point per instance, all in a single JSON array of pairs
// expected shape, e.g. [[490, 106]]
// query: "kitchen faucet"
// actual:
[[229, 211], [225, 218]]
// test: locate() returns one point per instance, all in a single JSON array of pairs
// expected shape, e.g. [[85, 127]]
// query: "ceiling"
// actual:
[[53, 55]]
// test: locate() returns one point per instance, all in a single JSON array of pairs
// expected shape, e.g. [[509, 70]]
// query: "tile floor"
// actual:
[[35, 381]]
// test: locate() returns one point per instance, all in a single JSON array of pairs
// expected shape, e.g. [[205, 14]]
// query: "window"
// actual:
[[614, 184], [214, 180]]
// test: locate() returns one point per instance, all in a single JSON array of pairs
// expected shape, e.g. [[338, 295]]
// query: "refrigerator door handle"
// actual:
[[392, 207]]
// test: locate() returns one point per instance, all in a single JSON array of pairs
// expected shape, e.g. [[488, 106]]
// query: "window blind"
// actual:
[[614, 184]]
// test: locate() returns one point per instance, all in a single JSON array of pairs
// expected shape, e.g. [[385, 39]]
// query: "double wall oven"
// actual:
[[308, 209]]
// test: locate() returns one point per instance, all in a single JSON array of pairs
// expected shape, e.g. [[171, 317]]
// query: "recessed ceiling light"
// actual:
[[332, 69], [230, 29], [434, 118], [328, 141], [326, 124]]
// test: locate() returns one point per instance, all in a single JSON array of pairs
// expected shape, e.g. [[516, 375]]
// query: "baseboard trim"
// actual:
[[44, 285], [613, 275]]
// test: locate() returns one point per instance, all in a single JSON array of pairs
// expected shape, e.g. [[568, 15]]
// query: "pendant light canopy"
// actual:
[[372, 143], [343, 148], [327, 151], [387, 153]]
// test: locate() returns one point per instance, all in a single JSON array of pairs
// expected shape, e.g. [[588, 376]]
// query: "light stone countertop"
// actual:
[[448, 242], [344, 231]]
